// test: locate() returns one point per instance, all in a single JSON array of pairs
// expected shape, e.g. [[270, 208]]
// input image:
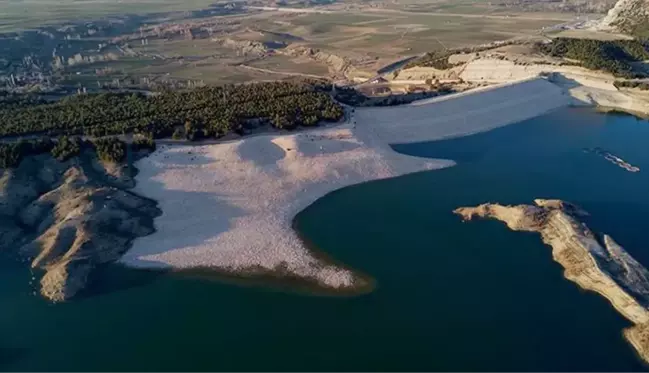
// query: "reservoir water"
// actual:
[[449, 296]]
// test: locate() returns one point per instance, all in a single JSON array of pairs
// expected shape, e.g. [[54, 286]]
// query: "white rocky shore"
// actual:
[[594, 263], [230, 206]]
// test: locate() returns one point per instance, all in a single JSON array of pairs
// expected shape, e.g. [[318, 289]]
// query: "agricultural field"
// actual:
[[18, 15], [95, 44]]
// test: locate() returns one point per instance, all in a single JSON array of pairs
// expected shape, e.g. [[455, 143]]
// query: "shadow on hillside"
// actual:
[[199, 216], [207, 211]]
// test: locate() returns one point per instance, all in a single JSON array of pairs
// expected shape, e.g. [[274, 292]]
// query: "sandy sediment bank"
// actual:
[[593, 263], [230, 206], [465, 113]]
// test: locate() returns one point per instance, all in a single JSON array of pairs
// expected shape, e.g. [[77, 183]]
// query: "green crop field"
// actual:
[[16, 15]]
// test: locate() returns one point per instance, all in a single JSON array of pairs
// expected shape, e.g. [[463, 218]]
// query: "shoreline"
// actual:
[[598, 265], [262, 182], [231, 206], [282, 280], [287, 236]]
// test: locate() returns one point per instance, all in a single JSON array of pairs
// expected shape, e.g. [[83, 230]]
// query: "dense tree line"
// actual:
[[613, 56], [108, 149], [350, 96], [353, 97], [210, 111], [9, 100], [642, 85], [11, 154], [66, 148]]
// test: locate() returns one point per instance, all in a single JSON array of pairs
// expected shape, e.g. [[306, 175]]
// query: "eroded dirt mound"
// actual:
[[68, 218]]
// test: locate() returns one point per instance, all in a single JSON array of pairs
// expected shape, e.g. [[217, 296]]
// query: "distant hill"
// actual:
[[629, 17]]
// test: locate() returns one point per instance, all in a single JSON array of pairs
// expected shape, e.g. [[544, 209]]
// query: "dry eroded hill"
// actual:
[[70, 217]]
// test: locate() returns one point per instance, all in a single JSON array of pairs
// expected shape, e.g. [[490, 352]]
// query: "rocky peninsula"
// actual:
[[594, 262]]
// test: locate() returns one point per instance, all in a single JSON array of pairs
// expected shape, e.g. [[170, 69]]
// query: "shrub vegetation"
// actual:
[[642, 85], [66, 148], [613, 56], [11, 154], [110, 149], [435, 59], [143, 142]]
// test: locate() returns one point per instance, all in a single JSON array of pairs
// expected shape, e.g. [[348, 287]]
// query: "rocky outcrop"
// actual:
[[594, 263], [249, 47], [337, 65], [69, 218], [628, 17]]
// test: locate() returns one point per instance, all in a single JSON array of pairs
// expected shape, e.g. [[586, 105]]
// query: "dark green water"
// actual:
[[450, 295]]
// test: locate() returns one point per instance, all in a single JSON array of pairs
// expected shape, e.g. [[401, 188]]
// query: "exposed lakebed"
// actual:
[[449, 296]]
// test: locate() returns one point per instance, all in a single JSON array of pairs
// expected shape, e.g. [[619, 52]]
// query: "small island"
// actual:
[[594, 263]]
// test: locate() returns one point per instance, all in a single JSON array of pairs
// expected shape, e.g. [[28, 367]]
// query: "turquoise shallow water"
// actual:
[[449, 296]]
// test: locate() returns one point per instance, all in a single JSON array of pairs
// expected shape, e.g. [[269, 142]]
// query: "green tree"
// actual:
[[110, 149], [66, 148]]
